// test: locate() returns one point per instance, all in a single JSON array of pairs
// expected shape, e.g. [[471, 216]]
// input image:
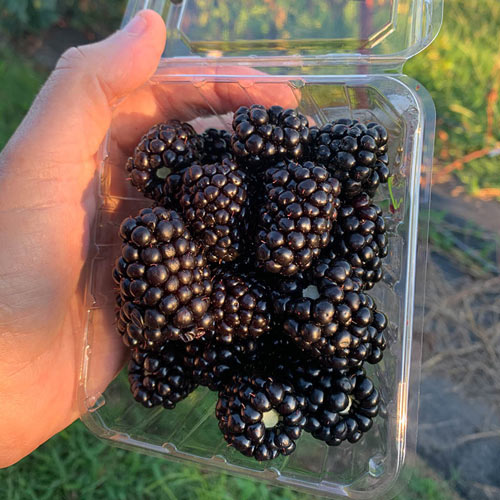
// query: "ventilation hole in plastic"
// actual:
[[219, 459], [376, 466], [169, 448], [95, 402], [297, 84]]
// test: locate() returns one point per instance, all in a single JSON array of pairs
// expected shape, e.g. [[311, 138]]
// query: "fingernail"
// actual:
[[136, 26]]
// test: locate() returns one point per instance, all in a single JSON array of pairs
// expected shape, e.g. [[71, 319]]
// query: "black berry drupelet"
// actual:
[[333, 320], [285, 289], [216, 146], [354, 153], [240, 305], [325, 271], [165, 150], [297, 217], [214, 203], [163, 279], [262, 136], [329, 270], [261, 417], [214, 363], [160, 377], [277, 354], [359, 236], [340, 405]]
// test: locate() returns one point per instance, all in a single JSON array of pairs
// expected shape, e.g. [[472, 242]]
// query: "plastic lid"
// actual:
[[389, 30]]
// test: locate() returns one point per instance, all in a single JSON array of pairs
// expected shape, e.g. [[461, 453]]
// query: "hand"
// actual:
[[48, 202]]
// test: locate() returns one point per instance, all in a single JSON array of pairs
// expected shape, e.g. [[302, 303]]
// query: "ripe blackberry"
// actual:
[[214, 201], [243, 264], [296, 220], [324, 271], [160, 378], [240, 307], [336, 323], [355, 153], [165, 149], [330, 270], [164, 280], [360, 237], [285, 289], [216, 146], [264, 136], [260, 416], [278, 355], [214, 363], [340, 405]]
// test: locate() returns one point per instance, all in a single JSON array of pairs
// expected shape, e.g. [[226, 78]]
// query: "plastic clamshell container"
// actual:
[[333, 59]]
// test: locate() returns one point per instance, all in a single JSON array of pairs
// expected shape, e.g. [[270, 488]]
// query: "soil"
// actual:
[[465, 207], [459, 424]]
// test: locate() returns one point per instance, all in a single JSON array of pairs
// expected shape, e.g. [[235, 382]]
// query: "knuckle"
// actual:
[[73, 57]]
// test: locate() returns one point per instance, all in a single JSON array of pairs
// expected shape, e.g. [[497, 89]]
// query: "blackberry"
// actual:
[[264, 136], [160, 378], [214, 363], [324, 271], [278, 355], [216, 146], [340, 405], [336, 323], [214, 201], [285, 289], [261, 417], [243, 264], [164, 280], [240, 307], [354, 153], [296, 220], [360, 237], [164, 150], [328, 270]]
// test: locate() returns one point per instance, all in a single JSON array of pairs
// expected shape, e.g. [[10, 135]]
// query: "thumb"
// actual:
[[72, 112]]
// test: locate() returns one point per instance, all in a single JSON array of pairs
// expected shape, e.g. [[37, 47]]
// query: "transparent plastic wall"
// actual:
[[190, 431], [335, 68], [287, 29]]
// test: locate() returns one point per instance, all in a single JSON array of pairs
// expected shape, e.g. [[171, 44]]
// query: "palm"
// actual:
[[47, 214]]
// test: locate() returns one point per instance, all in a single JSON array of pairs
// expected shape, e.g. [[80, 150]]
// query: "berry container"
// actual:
[[330, 59]]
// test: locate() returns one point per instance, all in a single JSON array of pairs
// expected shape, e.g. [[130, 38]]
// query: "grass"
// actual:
[[20, 82], [74, 465], [471, 248], [424, 485], [461, 69]]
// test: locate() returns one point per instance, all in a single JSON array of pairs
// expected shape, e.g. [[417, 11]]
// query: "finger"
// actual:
[[186, 98]]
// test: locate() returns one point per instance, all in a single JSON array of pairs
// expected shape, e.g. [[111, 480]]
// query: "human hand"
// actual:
[[47, 205]]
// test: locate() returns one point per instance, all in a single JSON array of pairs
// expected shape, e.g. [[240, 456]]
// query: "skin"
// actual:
[[48, 202]]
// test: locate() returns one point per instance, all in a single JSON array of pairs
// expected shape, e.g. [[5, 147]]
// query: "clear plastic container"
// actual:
[[340, 58]]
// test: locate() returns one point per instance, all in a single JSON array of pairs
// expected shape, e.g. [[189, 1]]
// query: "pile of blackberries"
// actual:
[[249, 275]]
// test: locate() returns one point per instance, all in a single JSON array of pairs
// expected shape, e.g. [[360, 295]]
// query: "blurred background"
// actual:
[[459, 425]]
